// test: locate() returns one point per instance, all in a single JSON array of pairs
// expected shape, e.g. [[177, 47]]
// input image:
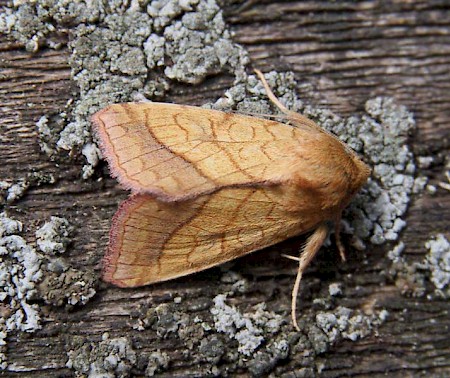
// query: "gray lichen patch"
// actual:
[[249, 96], [110, 357], [64, 286], [225, 340], [264, 338], [26, 275], [61, 284], [348, 324], [322, 330], [19, 274], [54, 236], [157, 362], [199, 45], [37, 24], [335, 289], [264, 361], [395, 254], [163, 319], [121, 51], [12, 191], [393, 166], [212, 348], [48, 132], [437, 262], [247, 329], [411, 277]]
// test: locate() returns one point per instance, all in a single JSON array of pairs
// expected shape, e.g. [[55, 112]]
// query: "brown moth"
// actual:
[[208, 187]]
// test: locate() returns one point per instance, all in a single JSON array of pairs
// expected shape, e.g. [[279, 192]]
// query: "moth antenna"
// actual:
[[297, 118], [312, 246], [270, 94]]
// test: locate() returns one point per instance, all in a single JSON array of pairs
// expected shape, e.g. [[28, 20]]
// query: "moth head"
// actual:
[[360, 172]]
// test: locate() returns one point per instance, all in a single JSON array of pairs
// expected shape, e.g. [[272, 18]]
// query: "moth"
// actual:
[[209, 186]]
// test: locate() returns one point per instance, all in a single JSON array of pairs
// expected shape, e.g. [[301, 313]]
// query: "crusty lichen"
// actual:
[[411, 277], [247, 329], [26, 275], [19, 274], [437, 261], [54, 236], [229, 340], [348, 324], [121, 51], [157, 362], [110, 357], [12, 191]]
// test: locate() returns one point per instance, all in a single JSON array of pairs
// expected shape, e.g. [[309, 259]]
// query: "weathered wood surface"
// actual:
[[348, 52]]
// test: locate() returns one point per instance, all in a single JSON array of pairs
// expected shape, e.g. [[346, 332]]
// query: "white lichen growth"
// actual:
[[16, 191], [163, 12], [157, 362], [93, 155], [395, 254], [53, 237], [25, 275], [348, 324], [11, 191], [438, 262], [45, 134], [200, 44], [19, 273], [247, 329], [425, 162], [3, 358], [61, 284], [335, 289], [109, 358]]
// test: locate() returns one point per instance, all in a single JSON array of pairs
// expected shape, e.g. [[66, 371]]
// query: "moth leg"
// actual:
[[295, 258], [312, 245], [337, 232]]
